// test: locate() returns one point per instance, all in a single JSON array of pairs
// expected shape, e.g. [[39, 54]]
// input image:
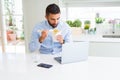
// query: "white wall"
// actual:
[[0, 18], [34, 12], [91, 3], [2, 37]]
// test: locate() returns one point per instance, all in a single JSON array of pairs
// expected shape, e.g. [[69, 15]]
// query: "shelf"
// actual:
[[111, 36]]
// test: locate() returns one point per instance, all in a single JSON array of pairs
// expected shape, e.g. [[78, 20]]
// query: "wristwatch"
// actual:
[[63, 41]]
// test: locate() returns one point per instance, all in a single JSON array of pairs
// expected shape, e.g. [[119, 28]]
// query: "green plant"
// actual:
[[77, 23], [9, 11], [22, 36], [99, 19], [69, 22], [13, 29], [87, 26], [94, 29], [87, 22]]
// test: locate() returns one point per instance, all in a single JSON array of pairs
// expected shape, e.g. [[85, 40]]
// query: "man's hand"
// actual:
[[44, 34], [60, 39]]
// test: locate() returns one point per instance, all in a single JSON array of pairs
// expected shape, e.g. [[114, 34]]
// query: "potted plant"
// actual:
[[22, 36], [77, 23], [87, 26], [11, 27], [9, 8], [99, 24], [98, 19], [69, 22], [75, 26], [11, 33]]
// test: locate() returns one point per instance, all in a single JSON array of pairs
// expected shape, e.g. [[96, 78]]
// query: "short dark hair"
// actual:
[[53, 9]]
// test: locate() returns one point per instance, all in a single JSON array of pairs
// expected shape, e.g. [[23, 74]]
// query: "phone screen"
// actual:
[[44, 65]]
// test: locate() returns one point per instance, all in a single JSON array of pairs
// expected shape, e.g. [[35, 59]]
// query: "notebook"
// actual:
[[75, 51]]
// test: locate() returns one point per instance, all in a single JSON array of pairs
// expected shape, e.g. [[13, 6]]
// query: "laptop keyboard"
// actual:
[[58, 59]]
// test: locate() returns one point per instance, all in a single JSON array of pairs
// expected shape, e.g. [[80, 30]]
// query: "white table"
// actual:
[[22, 67]]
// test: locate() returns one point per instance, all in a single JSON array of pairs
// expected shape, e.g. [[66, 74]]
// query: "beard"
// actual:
[[53, 25]]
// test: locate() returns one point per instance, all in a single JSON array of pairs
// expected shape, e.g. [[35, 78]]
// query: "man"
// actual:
[[42, 34]]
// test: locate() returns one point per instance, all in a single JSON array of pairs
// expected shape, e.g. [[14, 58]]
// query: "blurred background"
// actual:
[[90, 17]]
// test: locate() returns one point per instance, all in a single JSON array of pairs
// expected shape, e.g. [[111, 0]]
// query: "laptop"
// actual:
[[75, 51]]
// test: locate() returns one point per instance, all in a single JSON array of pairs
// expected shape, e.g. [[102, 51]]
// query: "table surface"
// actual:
[[18, 66]]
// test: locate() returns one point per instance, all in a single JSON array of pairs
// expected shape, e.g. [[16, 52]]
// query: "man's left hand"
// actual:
[[60, 38]]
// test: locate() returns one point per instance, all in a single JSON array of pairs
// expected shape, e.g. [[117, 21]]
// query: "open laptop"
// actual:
[[73, 52]]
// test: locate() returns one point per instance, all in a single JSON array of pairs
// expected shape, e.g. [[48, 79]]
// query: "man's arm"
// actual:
[[44, 34], [34, 42]]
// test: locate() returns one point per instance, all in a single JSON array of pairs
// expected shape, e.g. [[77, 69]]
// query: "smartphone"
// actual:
[[44, 65]]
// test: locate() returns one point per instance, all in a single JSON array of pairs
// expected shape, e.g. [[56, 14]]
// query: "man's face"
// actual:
[[53, 19]]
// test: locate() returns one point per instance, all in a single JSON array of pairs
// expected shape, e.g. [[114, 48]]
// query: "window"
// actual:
[[89, 13], [13, 26]]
